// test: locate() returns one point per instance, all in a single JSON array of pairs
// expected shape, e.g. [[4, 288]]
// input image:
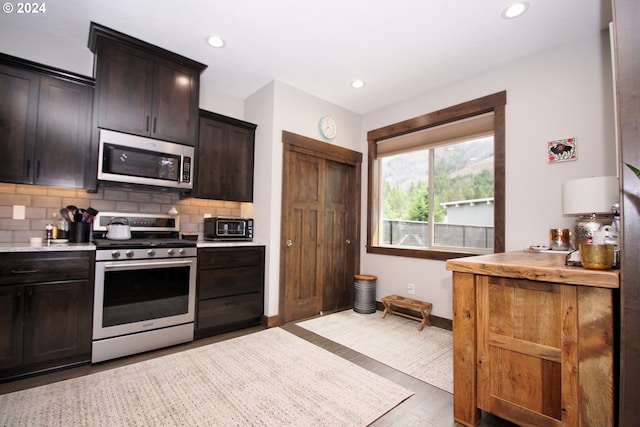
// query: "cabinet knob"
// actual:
[[348, 242], [289, 243]]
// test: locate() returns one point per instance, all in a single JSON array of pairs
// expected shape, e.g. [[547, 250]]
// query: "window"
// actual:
[[436, 183]]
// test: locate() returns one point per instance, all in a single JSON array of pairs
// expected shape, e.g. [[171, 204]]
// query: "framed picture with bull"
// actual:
[[562, 150]]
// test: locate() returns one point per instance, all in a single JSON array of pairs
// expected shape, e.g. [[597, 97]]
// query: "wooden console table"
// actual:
[[532, 340]]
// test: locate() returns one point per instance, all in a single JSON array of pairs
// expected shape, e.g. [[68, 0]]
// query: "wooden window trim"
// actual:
[[491, 103]]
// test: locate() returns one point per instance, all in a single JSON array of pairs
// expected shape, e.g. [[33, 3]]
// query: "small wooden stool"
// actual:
[[424, 308]]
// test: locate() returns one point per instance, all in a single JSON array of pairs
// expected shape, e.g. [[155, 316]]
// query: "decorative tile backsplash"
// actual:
[[42, 202]]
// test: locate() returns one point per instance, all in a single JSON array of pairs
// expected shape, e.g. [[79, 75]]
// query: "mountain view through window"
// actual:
[[455, 195]]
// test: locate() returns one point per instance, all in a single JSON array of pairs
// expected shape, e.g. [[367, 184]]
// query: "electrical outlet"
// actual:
[[411, 289], [19, 212]]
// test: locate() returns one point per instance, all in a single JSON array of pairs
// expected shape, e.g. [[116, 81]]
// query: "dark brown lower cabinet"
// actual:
[[46, 302], [230, 289]]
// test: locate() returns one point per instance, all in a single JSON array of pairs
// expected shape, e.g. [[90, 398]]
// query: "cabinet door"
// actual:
[[527, 332], [228, 313], [18, 115], [11, 324], [225, 161], [240, 154], [230, 271], [124, 85], [219, 282], [36, 267], [63, 133], [210, 170], [175, 103], [230, 257], [57, 321]]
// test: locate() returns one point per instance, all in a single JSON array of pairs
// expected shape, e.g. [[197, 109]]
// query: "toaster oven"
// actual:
[[228, 229]]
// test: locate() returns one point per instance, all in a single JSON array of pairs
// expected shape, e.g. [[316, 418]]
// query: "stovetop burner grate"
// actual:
[[147, 231], [143, 243]]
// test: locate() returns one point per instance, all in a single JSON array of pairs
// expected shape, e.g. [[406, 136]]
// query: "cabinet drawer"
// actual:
[[31, 267], [219, 312], [230, 257], [229, 281]]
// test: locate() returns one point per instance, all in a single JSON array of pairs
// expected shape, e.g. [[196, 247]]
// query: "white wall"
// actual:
[[566, 92], [275, 108], [221, 103]]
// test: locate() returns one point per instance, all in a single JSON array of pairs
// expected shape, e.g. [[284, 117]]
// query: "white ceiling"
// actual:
[[399, 47]]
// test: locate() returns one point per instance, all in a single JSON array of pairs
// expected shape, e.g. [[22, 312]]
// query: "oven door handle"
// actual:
[[128, 265]]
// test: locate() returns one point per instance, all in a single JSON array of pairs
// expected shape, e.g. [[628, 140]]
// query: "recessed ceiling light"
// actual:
[[215, 41], [515, 10], [357, 84]]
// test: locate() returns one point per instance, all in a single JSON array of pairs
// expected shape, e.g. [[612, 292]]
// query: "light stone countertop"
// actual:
[[27, 247], [211, 244]]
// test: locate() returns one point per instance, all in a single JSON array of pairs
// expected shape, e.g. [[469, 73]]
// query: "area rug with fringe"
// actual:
[[268, 378], [394, 341]]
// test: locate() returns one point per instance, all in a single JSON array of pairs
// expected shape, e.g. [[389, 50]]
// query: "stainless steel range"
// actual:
[[144, 286]]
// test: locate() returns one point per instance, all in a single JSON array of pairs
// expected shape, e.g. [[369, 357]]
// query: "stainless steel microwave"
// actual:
[[137, 160], [228, 228]]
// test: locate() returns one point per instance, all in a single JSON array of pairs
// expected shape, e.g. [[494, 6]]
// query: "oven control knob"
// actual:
[[171, 252], [115, 254], [129, 253], [181, 251], [151, 252]]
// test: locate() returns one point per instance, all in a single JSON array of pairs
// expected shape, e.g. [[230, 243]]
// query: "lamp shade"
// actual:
[[589, 195]]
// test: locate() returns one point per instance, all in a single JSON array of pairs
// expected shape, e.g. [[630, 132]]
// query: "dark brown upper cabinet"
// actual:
[[224, 159], [144, 90], [45, 119]]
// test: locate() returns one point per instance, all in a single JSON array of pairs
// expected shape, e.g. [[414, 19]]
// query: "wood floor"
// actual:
[[429, 406]]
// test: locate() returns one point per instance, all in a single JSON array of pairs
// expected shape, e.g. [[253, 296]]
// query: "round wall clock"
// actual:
[[327, 127]]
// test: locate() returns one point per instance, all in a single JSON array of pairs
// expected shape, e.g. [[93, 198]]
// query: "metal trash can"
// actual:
[[365, 294]]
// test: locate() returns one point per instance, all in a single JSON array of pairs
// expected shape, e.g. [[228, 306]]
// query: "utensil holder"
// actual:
[[79, 232]]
